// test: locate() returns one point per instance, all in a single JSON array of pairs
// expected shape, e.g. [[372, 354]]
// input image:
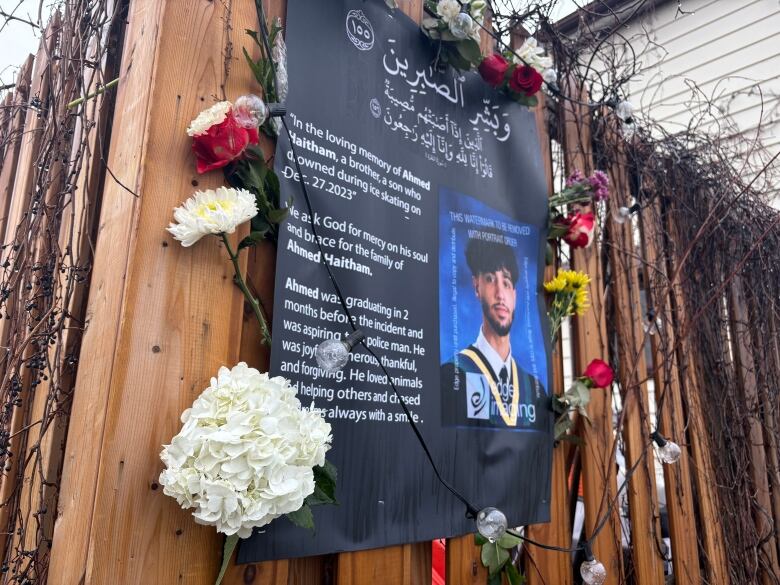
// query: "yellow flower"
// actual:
[[581, 301], [574, 280], [557, 284]]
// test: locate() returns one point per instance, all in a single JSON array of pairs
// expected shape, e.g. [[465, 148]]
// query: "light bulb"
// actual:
[[333, 354], [462, 26], [250, 111], [652, 327], [624, 110], [628, 129], [491, 523], [622, 215], [670, 453], [593, 572]]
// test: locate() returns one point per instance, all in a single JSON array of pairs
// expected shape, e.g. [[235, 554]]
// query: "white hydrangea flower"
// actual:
[[245, 453], [216, 114], [212, 211], [448, 10]]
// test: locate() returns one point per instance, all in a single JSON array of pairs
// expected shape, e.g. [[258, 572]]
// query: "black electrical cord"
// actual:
[[471, 510]]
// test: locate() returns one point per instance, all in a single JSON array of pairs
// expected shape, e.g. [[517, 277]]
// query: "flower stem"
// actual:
[[96, 93], [253, 302]]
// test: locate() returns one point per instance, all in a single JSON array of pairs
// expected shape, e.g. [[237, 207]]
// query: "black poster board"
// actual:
[[417, 178]]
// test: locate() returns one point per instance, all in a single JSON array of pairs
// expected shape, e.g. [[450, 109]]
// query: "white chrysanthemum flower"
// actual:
[[245, 453], [448, 10], [208, 118], [207, 212]]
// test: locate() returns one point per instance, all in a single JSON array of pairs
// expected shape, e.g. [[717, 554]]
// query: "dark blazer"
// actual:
[[457, 400]]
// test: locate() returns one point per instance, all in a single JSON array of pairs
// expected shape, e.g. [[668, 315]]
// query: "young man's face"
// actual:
[[497, 294]]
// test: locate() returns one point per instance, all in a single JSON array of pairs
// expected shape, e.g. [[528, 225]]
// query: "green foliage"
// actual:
[[263, 69], [227, 552], [253, 174], [496, 557], [575, 399]]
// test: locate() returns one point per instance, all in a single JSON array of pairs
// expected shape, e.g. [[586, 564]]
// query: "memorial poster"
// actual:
[[429, 197]]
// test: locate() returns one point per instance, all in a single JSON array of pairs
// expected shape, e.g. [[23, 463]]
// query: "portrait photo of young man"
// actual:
[[482, 385]]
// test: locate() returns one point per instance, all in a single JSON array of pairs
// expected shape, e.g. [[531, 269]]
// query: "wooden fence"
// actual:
[[150, 324]]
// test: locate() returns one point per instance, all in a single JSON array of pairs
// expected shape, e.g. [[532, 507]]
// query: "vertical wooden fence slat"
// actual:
[[16, 224], [771, 417], [746, 370], [641, 490], [15, 129], [543, 566], [590, 341], [712, 541], [162, 318], [677, 478]]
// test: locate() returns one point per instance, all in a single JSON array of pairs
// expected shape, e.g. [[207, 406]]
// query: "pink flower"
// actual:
[[217, 138], [580, 229], [599, 184]]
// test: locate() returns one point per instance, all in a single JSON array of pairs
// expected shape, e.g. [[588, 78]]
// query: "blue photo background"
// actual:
[[460, 314]]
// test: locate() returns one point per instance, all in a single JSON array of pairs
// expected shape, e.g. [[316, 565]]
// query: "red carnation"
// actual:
[[526, 80], [222, 143], [493, 69], [600, 373], [580, 228]]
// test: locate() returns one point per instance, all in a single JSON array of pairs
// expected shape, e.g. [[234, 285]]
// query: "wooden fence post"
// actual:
[[712, 537], [599, 474], [642, 496], [746, 370], [679, 490], [161, 319]]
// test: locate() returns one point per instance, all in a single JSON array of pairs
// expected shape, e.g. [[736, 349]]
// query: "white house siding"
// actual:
[[729, 50]]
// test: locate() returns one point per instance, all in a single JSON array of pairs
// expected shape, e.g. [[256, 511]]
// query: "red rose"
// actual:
[[493, 69], [600, 373], [222, 143], [580, 228], [525, 79]]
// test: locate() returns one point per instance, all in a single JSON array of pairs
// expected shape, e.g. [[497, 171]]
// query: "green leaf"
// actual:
[[257, 71], [227, 552], [470, 51], [251, 240], [278, 215], [508, 541], [302, 517], [479, 540], [324, 485], [494, 579], [513, 575], [494, 557], [562, 425]]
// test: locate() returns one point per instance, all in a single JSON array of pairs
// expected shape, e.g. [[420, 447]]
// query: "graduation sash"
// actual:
[[509, 418]]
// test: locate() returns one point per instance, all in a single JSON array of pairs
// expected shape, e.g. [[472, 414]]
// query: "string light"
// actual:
[[624, 213], [333, 354], [653, 324], [462, 26], [668, 451], [625, 111], [592, 570], [491, 523]]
